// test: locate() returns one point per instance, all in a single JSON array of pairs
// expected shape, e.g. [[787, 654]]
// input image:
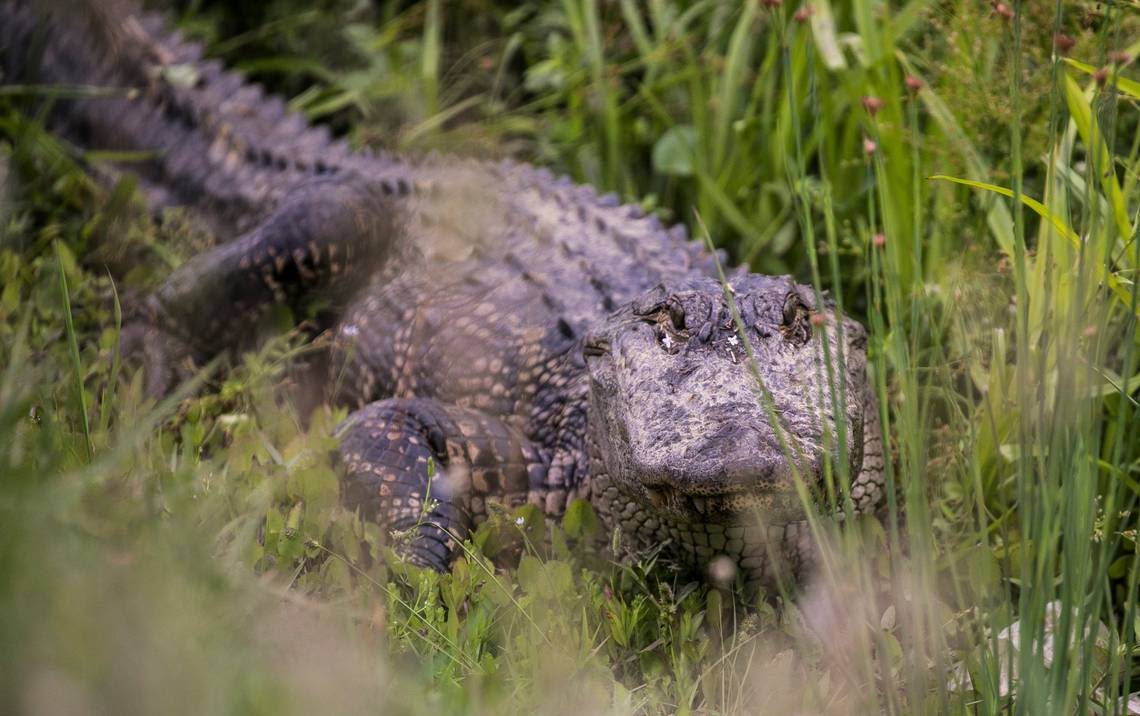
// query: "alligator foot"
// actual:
[[425, 470]]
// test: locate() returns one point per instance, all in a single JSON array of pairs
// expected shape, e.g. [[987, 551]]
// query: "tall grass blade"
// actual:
[[73, 354]]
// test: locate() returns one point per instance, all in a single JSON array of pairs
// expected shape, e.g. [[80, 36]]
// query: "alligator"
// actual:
[[503, 336]]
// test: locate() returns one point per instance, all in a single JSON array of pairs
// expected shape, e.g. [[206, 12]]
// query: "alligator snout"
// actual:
[[732, 461]]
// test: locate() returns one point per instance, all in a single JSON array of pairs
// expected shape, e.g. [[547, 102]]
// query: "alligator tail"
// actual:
[[203, 136]]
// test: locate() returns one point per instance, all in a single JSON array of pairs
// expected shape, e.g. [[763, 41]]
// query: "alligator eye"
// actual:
[[792, 307], [677, 315], [796, 326]]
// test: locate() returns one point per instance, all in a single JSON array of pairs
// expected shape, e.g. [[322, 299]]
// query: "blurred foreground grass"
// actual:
[[191, 556]]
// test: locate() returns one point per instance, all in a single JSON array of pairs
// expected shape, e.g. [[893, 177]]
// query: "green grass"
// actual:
[[191, 556]]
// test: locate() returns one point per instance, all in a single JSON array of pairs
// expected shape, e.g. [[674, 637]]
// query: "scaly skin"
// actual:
[[535, 341]]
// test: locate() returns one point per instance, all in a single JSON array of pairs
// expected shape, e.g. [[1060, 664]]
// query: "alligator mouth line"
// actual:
[[773, 494], [783, 504]]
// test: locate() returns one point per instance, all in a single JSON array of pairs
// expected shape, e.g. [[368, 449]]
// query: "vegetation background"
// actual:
[[961, 174]]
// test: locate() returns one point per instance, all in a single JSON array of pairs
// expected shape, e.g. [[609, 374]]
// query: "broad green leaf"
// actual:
[[673, 152], [529, 574], [580, 520]]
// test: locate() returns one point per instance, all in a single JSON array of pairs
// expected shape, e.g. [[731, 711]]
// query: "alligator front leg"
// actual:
[[385, 455], [324, 238]]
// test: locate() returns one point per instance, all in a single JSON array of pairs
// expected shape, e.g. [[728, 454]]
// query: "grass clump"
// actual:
[[961, 176]]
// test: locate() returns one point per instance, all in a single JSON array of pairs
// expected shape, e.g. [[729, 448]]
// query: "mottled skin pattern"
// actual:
[[535, 341]]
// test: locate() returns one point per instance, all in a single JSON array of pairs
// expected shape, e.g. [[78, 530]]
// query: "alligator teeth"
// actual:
[[699, 504]]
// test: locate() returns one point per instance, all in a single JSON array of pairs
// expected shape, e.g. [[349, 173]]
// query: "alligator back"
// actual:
[[211, 140]]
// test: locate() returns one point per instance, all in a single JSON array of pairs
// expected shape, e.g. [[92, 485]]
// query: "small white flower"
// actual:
[[732, 340], [667, 341], [520, 521], [350, 330]]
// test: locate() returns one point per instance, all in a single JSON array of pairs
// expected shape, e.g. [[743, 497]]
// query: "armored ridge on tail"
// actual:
[[222, 144], [534, 340]]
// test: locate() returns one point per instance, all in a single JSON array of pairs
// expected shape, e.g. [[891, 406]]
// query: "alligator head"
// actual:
[[683, 420]]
